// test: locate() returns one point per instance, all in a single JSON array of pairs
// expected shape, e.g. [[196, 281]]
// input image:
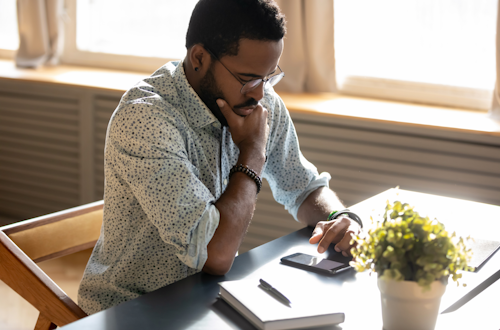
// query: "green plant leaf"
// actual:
[[402, 245]]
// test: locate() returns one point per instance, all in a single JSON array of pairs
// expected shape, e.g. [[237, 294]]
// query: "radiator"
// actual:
[[365, 159], [52, 147], [39, 155], [104, 107]]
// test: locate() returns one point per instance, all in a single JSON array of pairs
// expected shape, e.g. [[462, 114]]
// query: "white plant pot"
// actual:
[[406, 306]]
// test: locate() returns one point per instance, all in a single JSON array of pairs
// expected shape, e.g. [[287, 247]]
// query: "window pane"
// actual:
[[9, 38], [151, 28], [444, 42]]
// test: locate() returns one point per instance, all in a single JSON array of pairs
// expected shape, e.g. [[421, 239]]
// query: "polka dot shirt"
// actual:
[[167, 161]]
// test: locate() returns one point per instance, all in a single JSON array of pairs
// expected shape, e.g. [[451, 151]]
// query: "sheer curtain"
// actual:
[[495, 107], [308, 58], [40, 32]]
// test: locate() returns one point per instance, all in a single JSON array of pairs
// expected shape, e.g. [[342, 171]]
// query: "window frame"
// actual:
[[417, 92], [7, 53]]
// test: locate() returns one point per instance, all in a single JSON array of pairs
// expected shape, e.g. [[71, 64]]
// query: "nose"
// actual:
[[257, 93]]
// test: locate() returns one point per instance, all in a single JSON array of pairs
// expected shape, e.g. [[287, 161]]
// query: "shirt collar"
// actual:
[[197, 113]]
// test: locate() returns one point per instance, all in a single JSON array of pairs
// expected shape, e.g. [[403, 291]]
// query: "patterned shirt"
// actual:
[[167, 161]]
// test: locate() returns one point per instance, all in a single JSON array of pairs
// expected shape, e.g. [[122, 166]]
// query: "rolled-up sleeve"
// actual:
[[196, 254]]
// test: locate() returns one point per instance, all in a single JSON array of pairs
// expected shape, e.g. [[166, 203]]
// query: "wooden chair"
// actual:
[[50, 236]]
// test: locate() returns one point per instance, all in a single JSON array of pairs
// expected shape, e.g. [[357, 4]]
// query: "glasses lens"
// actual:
[[275, 79], [250, 85]]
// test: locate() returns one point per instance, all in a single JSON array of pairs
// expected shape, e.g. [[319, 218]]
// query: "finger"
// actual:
[[344, 245], [316, 234], [334, 234], [232, 118], [259, 114]]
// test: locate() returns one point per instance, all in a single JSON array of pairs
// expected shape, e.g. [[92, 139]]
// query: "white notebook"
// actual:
[[307, 308]]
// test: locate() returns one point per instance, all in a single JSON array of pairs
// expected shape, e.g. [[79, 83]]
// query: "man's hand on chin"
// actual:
[[249, 131]]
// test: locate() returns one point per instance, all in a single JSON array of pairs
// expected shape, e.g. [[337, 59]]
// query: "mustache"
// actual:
[[249, 103]]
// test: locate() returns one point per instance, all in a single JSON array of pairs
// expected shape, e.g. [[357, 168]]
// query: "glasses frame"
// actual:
[[273, 80]]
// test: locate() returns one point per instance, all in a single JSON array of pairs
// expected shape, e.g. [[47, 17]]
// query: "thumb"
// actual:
[[316, 235]]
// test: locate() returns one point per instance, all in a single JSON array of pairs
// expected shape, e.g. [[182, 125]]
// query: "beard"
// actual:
[[210, 92]]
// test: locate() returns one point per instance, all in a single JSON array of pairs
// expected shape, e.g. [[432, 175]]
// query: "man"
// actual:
[[185, 152]]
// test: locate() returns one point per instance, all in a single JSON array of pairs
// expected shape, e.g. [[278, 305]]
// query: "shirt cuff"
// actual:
[[320, 181], [196, 254]]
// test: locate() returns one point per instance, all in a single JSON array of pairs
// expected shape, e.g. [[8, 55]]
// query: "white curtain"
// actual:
[[40, 32], [308, 58], [495, 107]]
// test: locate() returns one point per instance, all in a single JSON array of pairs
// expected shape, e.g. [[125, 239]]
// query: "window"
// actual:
[[152, 29], [436, 51], [9, 41], [427, 51], [122, 34], [126, 34]]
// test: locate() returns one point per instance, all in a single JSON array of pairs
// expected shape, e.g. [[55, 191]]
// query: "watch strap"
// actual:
[[351, 215]]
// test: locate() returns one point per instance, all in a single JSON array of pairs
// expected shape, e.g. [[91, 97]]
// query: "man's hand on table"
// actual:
[[338, 231]]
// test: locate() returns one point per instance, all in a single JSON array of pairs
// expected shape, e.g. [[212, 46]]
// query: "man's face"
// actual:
[[255, 59]]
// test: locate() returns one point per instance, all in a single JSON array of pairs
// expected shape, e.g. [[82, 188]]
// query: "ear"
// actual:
[[199, 58]]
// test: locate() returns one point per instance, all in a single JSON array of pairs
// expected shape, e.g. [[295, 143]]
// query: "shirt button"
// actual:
[[225, 182]]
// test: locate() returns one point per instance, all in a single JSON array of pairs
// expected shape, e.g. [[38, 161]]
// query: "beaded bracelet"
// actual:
[[248, 171]]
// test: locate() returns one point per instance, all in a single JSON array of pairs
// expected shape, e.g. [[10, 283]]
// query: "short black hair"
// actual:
[[220, 24]]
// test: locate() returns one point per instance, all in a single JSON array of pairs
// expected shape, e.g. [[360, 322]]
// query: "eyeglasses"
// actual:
[[252, 84]]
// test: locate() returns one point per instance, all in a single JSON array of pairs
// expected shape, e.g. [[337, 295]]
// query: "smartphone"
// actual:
[[315, 264]]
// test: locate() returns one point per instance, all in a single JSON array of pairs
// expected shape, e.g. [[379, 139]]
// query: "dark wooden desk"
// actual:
[[193, 304]]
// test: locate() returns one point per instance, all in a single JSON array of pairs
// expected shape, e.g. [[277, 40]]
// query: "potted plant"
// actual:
[[413, 256]]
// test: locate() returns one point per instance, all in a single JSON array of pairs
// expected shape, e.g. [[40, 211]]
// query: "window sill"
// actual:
[[321, 104], [77, 76], [410, 115]]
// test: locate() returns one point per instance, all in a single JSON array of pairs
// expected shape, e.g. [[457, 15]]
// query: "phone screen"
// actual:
[[309, 262]]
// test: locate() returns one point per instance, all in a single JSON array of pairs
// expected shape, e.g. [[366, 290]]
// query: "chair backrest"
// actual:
[[43, 238]]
